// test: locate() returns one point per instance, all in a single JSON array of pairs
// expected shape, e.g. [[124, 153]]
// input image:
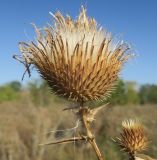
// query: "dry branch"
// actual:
[[65, 141]]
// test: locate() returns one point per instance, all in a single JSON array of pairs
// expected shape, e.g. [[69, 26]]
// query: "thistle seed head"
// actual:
[[132, 138], [77, 58]]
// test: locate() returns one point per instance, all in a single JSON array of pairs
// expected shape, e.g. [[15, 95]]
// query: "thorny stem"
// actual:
[[91, 138], [87, 117]]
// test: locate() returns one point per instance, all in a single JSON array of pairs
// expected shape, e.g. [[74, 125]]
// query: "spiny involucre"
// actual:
[[132, 138], [77, 58]]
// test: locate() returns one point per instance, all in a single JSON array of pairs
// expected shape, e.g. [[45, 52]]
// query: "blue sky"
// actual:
[[134, 21]]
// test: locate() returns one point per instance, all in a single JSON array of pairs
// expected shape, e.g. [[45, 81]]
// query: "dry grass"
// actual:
[[22, 128]]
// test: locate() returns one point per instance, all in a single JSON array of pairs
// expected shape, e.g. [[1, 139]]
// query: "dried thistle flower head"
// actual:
[[132, 139], [77, 58]]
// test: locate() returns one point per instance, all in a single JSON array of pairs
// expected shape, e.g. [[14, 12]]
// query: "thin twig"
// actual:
[[65, 141]]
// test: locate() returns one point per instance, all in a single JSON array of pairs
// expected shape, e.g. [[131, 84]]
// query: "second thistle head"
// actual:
[[77, 58], [132, 138]]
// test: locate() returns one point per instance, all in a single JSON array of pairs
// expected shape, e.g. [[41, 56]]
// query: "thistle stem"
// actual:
[[91, 138], [96, 149]]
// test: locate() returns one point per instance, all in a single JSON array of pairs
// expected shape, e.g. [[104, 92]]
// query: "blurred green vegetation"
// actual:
[[40, 94], [10, 91], [148, 94]]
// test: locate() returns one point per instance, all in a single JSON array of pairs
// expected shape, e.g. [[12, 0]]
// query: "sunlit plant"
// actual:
[[80, 61]]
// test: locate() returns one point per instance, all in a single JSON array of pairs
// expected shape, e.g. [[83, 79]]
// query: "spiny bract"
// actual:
[[77, 58], [132, 139]]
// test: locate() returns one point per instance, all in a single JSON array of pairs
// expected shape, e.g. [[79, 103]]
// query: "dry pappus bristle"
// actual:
[[132, 138], [77, 58]]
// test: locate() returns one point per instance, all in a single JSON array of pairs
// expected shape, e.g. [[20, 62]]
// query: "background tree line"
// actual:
[[127, 92]]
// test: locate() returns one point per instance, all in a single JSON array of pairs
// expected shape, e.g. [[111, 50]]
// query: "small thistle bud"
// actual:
[[78, 59], [132, 139]]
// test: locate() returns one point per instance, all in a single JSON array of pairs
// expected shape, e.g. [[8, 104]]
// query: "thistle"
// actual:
[[132, 138], [78, 59], [80, 62]]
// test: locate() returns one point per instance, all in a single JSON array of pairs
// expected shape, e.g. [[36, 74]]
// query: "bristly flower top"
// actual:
[[132, 138], [78, 59]]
